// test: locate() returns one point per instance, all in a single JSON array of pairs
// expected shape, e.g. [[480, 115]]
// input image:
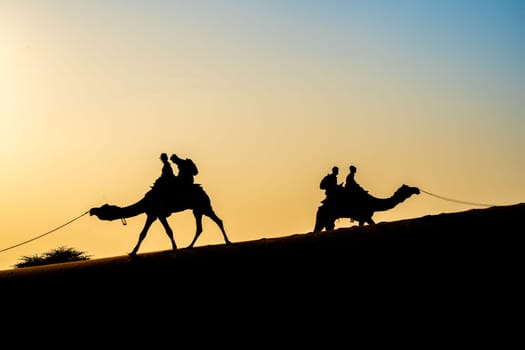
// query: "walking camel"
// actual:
[[360, 209], [157, 204]]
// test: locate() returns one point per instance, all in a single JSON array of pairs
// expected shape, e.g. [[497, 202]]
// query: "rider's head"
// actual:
[[164, 157], [335, 170], [352, 169]]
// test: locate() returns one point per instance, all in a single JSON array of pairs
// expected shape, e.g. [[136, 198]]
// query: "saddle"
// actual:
[[172, 186], [345, 197]]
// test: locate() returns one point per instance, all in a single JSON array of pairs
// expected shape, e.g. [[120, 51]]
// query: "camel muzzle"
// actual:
[[106, 212]]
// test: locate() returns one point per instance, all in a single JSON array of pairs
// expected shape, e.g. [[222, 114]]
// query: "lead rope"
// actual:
[[458, 201], [42, 235]]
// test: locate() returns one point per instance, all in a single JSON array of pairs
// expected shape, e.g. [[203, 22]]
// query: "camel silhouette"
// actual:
[[360, 209], [160, 204]]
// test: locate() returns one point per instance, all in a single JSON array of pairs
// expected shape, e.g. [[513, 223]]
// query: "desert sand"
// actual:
[[464, 264]]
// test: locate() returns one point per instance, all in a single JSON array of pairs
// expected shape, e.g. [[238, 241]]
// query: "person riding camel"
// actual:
[[166, 177], [353, 188], [330, 185], [167, 171], [187, 170]]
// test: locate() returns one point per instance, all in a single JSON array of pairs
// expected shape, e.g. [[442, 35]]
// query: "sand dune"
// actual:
[[435, 264], [474, 237]]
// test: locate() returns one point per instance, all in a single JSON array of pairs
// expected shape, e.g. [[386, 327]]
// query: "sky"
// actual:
[[266, 97]]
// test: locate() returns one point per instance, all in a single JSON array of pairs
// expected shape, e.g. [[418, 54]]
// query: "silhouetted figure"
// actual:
[[363, 211], [160, 207], [353, 202], [353, 188], [167, 177], [187, 169], [329, 184], [167, 171]]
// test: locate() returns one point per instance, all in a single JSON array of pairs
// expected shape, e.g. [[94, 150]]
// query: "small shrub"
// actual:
[[58, 255]]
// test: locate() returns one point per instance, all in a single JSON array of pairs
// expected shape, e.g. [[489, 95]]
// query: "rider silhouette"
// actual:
[[187, 169], [166, 177], [353, 188], [330, 185], [167, 171]]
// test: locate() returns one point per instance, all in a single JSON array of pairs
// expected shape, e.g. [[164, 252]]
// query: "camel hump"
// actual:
[[187, 190]]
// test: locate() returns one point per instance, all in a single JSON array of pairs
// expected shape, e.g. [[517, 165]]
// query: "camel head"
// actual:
[[405, 191], [106, 212]]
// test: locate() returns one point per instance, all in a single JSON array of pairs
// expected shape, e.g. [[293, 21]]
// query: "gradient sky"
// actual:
[[265, 96]]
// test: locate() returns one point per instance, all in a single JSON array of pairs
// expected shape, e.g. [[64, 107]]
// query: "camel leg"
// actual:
[[198, 223], [149, 221], [164, 221], [318, 227], [211, 214]]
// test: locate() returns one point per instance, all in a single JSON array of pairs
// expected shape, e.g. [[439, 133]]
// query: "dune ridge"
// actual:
[[463, 260], [460, 234]]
